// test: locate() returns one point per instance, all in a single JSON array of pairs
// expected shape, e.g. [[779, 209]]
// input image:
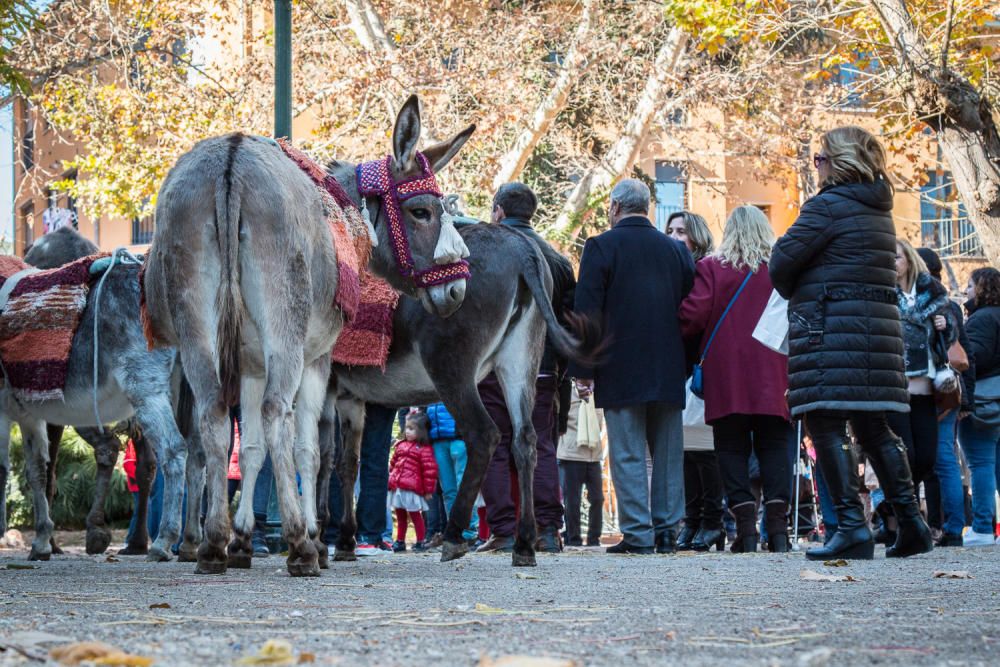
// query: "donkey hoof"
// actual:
[[98, 540], [187, 554], [526, 559], [56, 549], [303, 567], [453, 550], [133, 550], [211, 567], [39, 555], [343, 556], [324, 555], [158, 555], [239, 560]]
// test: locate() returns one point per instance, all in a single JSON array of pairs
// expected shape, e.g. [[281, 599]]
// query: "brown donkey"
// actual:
[[242, 277]]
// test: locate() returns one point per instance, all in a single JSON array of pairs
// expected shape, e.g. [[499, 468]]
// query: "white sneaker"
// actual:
[[365, 549], [974, 539]]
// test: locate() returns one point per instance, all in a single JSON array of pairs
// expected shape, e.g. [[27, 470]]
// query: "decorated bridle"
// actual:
[[375, 179]]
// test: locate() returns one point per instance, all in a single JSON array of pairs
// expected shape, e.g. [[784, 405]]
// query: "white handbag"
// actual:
[[694, 409], [772, 328]]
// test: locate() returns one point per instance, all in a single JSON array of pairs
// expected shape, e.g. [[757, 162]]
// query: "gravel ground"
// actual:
[[581, 607]]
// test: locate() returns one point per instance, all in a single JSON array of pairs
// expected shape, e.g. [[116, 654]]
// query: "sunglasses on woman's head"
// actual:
[[819, 159]]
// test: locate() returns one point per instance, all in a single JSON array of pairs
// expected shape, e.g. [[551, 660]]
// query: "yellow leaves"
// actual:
[[97, 653], [277, 652]]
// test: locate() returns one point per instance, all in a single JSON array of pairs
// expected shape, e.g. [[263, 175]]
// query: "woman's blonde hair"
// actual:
[[698, 231], [747, 239], [854, 156], [914, 262]]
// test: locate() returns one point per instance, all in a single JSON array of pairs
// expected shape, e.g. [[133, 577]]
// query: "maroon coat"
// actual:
[[413, 468], [741, 375]]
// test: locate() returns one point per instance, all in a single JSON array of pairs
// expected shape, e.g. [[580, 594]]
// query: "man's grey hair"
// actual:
[[632, 195]]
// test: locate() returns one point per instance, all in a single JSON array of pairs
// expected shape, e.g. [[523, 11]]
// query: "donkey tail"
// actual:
[[583, 343], [228, 298]]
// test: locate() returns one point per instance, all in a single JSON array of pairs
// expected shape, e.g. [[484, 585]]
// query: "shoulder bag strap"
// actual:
[[721, 319]]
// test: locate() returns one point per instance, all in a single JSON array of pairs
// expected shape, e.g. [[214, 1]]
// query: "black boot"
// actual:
[[776, 521], [746, 528], [887, 532], [839, 467], [666, 542], [707, 537], [684, 539], [912, 534]]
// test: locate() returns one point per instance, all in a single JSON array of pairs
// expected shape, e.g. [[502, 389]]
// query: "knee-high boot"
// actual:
[[912, 534], [746, 528], [839, 467], [776, 520]]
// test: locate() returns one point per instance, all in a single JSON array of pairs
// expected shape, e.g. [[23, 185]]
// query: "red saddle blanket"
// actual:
[[37, 323], [368, 302]]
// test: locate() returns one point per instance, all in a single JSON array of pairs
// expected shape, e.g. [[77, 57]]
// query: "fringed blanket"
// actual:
[[368, 303], [38, 322]]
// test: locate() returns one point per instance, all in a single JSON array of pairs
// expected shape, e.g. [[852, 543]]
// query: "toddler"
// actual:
[[412, 478]]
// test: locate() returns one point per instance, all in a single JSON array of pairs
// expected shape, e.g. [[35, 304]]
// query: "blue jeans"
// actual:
[[262, 489], [451, 458], [373, 516], [153, 512], [826, 507], [949, 477], [981, 444]]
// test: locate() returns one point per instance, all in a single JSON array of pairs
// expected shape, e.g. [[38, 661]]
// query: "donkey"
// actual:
[[501, 329], [130, 381], [55, 249], [242, 279]]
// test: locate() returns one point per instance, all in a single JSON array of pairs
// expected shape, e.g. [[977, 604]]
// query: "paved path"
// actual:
[[408, 609]]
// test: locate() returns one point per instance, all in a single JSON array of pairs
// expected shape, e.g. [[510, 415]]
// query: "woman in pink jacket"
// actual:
[[744, 381]]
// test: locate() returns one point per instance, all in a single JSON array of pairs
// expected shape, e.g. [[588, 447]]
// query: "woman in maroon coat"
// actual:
[[744, 381]]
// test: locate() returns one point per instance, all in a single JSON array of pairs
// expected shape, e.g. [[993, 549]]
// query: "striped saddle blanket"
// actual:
[[39, 314]]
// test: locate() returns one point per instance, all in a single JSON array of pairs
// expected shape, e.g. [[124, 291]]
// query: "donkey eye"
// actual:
[[422, 214]]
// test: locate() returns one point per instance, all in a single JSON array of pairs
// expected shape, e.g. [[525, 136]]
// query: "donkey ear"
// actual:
[[441, 154], [406, 134]]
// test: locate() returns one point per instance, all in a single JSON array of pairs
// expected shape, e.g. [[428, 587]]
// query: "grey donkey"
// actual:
[[242, 278], [131, 380], [500, 328]]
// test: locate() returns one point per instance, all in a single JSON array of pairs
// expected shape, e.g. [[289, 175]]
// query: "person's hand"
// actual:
[[963, 414], [940, 323], [428, 497], [585, 388]]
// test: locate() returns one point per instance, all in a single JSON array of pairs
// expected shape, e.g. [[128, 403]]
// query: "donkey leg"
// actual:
[[36, 457], [482, 437], [327, 433], [156, 417], [252, 453], [54, 433], [519, 394], [351, 413], [188, 551], [106, 447], [145, 476], [4, 468], [308, 406], [214, 426]]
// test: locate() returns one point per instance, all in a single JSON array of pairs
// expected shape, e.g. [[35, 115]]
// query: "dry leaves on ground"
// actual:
[[97, 653], [951, 574], [810, 575], [276, 652], [840, 562]]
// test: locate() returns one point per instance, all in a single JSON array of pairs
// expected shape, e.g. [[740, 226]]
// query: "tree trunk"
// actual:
[[624, 152], [962, 118], [575, 62], [368, 27]]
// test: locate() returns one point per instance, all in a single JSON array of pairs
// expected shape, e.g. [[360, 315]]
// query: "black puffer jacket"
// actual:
[[837, 267]]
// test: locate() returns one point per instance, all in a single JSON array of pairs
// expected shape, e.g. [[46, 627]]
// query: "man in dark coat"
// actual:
[[633, 278], [514, 206]]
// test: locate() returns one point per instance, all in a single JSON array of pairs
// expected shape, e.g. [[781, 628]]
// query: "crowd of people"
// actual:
[[704, 420]]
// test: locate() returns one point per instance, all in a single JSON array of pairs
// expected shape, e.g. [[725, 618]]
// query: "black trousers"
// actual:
[[702, 490], [919, 431], [575, 475], [766, 435]]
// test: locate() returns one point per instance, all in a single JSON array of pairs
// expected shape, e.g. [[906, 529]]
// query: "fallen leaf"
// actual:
[[526, 661], [160, 605], [112, 559], [273, 652], [522, 575], [840, 562], [21, 566], [809, 575], [97, 653], [951, 574], [306, 657]]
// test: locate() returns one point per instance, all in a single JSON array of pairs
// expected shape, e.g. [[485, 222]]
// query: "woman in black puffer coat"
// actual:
[[837, 267]]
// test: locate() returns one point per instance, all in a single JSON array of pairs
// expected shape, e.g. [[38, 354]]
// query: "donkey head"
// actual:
[[435, 274], [57, 248]]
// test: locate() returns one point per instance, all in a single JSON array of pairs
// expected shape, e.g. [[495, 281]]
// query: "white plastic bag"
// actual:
[[772, 328], [694, 408]]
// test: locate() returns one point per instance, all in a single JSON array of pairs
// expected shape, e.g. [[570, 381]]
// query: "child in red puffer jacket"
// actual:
[[412, 478]]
